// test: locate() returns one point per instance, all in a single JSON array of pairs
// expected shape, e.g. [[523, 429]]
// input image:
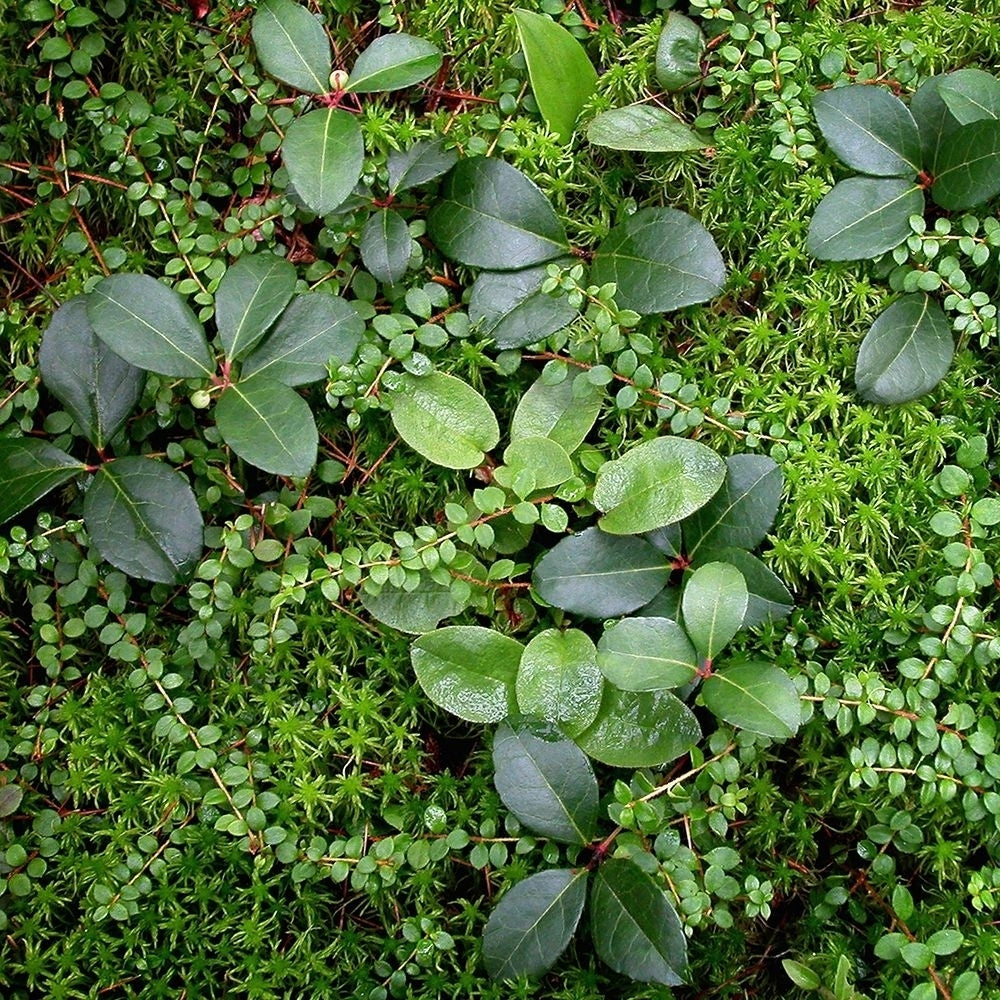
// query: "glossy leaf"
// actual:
[[143, 518], [268, 425], [971, 95], [532, 924], [666, 604], [10, 799], [713, 605], [644, 128], [564, 412], [907, 351], [661, 260], [323, 153], [385, 245], [636, 930], [30, 468], [392, 62], [646, 654], [678, 52], [97, 387], [443, 419], [767, 597], [417, 610], [490, 215], [600, 575], [968, 167], [562, 76], [546, 781], [149, 325], [250, 297], [541, 457], [468, 670], [759, 697], [862, 217], [934, 121], [424, 161], [656, 483], [667, 539], [292, 45]]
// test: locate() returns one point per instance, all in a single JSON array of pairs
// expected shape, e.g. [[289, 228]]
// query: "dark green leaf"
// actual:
[[323, 153], [533, 922], [292, 45], [713, 605], [29, 468], [385, 245], [392, 62], [149, 325], [661, 260], [564, 412], [666, 604], [646, 654], [934, 121], [968, 167], [768, 597], [643, 128], [422, 162], [143, 518], [759, 697], [971, 95], [636, 930], [678, 52], [98, 388], [416, 610], [667, 539], [11, 795], [250, 297]]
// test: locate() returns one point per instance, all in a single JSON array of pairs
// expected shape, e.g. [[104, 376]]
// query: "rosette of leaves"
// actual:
[[323, 150], [947, 143]]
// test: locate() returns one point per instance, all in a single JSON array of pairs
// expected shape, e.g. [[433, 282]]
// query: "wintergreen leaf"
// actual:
[[30, 468], [559, 680], [968, 167], [636, 930], [656, 483], [323, 153], [906, 352], [98, 388], [385, 245], [971, 95], [392, 62], [546, 781], [661, 260], [862, 217], [562, 77], [667, 539], [10, 799], [143, 518], [416, 610], [314, 328], [490, 215], [678, 52], [768, 598], [934, 121], [468, 670], [600, 575], [646, 654], [532, 924], [643, 128], [546, 460], [149, 325], [713, 605], [666, 604], [640, 729], [564, 412], [443, 419], [759, 697], [422, 162], [292, 45], [250, 297], [268, 425]]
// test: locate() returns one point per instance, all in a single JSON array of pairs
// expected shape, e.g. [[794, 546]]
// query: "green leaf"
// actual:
[[678, 52], [490, 215], [656, 483], [392, 62], [562, 77], [906, 352], [661, 260], [640, 729], [666, 604], [417, 610], [636, 930], [443, 419], [268, 425], [323, 153], [98, 388], [768, 597], [934, 121], [545, 459], [759, 697], [511, 307], [468, 670], [143, 518], [30, 468], [314, 328], [667, 539], [292, 45], [149, 325], [546, 781], [863, 217], [424, 161], [385, 245], [600, 575], [564, 412], [533, 922], [713, 605], [250, 297], [968, 168], [643, 128], [966, 986], [801, 975], [559, 680], [742, 511], [971, 95], [11, 795], [945, 942], [646, 654]]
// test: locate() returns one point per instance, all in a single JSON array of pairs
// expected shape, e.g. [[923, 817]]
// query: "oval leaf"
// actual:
[[564, 412], [678, 52], [646, 654], [759, 697], [98, 388], [422, 162], [713, 605], [443, 419], [268, 425], [661, 260], [971, 95], [490, 215], [968, 167], [417, 610], [656, 483], [250, 297], [546, 781], [533, 922], [385, 245], [10, 799], [468, 670], [392, 62], [292, 45], [323, 153], [143, 518], [543, 458], [643, 128], [149, 325], [934, 121], [30, 468], [768, 598], [906, 352]]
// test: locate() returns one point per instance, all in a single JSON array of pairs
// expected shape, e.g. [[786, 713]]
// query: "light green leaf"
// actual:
[[646, 654], [323, 153], [417, 610], [643, 128], [292, 45], [678, 52], [250, 297], [424, 161], [801, 975], [946, 941], [385, 245], [392, 62], [759, 697], [968, 167], [966, 986], [768, 598], [564, 412], [30, 468], [546, 460], [971, 95], [713, 605]]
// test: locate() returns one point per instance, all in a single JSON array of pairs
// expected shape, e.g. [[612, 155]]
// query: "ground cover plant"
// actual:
[[568, 624]]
